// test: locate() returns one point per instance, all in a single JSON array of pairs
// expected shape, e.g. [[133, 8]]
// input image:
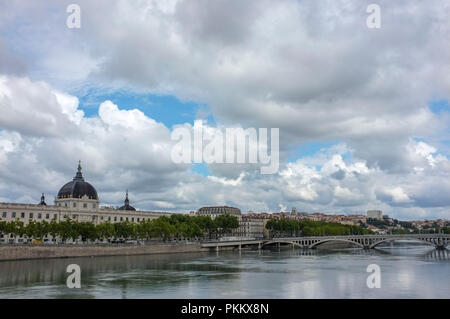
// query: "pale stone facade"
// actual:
[[77, 200], [27, 212], [252, 227], [375, 214]]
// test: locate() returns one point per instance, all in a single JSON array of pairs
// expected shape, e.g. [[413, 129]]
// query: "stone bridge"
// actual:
[[364, 241]]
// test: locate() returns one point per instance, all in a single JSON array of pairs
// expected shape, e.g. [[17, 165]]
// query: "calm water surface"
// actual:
[[406, 272]]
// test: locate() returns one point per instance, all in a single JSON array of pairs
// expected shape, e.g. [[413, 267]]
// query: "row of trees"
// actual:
[[437, 230], [175, 226], [289, 227]]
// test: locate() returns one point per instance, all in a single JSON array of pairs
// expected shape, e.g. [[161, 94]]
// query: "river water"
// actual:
[[406, 272]]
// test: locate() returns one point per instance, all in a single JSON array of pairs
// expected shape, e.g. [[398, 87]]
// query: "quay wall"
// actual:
[[19, 252]]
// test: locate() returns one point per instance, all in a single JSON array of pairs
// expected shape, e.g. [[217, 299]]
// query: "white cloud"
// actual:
[[310, 68]]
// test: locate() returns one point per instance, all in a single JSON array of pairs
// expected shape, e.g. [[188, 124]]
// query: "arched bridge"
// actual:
[[363, 241]]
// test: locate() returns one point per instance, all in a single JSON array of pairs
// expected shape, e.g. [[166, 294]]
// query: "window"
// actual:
[[13, 215], [84, 205], [22, 215], [31, 215], [47, 216], [115, 218], [74, 216], [109, 218], [4, 214], [55, 216], [39, 215], [127, 219], [93, 205], [138, 219], [121, 218], [101, 218], [74, 205], [93, 217], [65, 204], [132, 219]]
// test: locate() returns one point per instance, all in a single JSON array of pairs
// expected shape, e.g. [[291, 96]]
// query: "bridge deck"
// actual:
[[371, 240]]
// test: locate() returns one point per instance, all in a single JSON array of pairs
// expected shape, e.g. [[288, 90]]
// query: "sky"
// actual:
[[363, 113]]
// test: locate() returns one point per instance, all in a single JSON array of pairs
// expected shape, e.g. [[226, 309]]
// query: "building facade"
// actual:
[[375, 214], [79, 201], [252, 226], [214, 211]]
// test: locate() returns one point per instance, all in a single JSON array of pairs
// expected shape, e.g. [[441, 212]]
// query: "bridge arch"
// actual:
[[431, 243], [336, 240], [271, 242]]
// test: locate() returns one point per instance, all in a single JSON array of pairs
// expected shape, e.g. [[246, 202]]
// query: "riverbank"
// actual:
[[21, 252]]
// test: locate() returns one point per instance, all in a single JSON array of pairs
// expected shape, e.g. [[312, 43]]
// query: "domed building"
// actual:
[[77, 200], [77, 193], [127, 205]]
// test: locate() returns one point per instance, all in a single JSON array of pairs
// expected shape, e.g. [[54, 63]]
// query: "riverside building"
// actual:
[[77, 200]]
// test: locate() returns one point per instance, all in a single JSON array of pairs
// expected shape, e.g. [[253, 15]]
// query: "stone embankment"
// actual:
[[18, 252]]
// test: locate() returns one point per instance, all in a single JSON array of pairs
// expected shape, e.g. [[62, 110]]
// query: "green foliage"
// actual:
[[400, 231], [226, 222], [175, 226], [105, 230], [290, 227]]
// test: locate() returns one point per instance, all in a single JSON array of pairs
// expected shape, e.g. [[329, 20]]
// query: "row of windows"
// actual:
[[115, 218], [55, 216], [85, 205], [219, 210], [30, 215]]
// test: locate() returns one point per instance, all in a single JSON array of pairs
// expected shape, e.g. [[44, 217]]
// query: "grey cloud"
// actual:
[[311, 68]]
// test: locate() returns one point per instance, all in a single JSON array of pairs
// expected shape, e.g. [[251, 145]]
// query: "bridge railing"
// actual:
[[365, 236]]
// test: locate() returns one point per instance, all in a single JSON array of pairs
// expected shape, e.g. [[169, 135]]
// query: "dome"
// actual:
[[78, 187], [127, 205]]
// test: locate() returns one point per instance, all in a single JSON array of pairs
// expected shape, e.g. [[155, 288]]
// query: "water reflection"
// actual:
[[408, 272]]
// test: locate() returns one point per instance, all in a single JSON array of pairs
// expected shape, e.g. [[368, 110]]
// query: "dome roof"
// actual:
[[78, 187], [127, 205]]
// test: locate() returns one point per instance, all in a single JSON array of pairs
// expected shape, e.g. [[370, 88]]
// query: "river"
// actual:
[[405, 272]]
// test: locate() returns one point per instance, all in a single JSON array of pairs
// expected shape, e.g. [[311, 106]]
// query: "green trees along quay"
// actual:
[[177, 226], [290, 227]]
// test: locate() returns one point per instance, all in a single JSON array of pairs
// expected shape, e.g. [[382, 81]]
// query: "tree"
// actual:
[[67, 229], [105, 230], [206, 224], [86, 230], [124, 230], [226, 223], [161, 228]]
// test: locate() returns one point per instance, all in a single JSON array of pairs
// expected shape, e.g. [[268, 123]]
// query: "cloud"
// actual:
[[312, 69], [125, 149]]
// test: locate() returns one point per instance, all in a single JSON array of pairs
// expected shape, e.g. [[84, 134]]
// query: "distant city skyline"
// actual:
[[363, 114]]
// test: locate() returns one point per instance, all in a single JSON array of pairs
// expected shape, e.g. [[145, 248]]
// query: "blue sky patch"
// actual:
[[166, 109]]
